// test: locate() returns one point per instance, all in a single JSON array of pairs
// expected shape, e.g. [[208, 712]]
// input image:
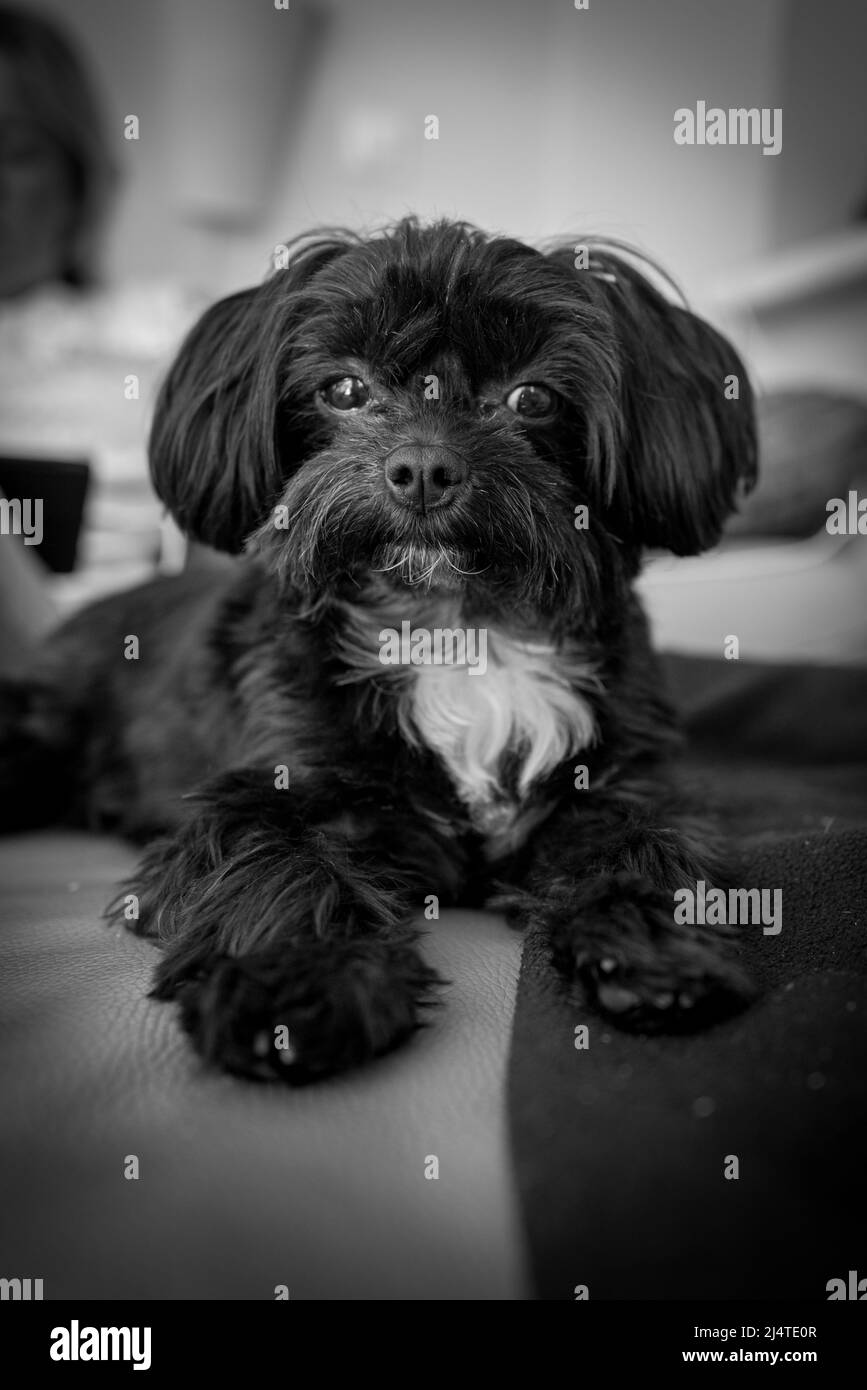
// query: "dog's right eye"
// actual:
[[347, 393]]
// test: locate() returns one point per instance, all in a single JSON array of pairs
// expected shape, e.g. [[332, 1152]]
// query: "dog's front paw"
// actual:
[[683, 1001], [643, 970], [304, 1011]]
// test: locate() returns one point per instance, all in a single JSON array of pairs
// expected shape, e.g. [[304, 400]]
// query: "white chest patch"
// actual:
[[525, 711]]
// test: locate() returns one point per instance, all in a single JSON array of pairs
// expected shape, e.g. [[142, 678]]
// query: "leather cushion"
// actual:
[[242, 1186]]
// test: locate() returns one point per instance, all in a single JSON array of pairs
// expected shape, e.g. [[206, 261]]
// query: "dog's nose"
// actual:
[[424, 476]]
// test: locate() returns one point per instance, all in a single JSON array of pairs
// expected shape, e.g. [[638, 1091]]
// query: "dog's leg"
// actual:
[[288, 929], [601, 882], [39, 735]]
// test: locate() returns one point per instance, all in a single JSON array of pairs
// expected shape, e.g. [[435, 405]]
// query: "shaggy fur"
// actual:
[[354, 426]]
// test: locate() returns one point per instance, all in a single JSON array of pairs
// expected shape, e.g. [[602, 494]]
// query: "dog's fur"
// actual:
[[295, 906]]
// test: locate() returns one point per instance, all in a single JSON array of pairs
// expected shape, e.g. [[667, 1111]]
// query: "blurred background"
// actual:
[[182, 140]]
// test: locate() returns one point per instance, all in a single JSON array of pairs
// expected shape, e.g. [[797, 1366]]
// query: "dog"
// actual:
[[425, 430]]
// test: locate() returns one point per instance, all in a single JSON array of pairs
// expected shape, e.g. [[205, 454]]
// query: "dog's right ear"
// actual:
[[214, 456]]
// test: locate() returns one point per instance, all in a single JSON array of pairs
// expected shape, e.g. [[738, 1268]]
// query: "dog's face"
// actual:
[[435, 407]]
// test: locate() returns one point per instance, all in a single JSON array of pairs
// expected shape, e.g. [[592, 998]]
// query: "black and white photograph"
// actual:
[[433, 668]]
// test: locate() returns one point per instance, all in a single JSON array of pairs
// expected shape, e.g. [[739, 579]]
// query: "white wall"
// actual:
[[824, 93], [551, 119]]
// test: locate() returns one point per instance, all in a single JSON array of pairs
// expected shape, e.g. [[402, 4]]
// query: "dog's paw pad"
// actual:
[[650, 1005], [614, 999], [286, 1052], [287, 1056]]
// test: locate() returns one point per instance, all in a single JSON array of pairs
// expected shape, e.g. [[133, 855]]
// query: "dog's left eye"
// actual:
[[531, 401], [347, 393]]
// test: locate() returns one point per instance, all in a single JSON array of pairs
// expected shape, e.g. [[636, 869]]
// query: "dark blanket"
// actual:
[[621, 1149]]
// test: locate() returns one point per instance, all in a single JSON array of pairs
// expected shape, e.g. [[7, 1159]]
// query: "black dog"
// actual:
[[455, 432]]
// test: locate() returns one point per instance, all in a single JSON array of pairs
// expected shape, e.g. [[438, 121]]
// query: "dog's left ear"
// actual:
[[687, 439]]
